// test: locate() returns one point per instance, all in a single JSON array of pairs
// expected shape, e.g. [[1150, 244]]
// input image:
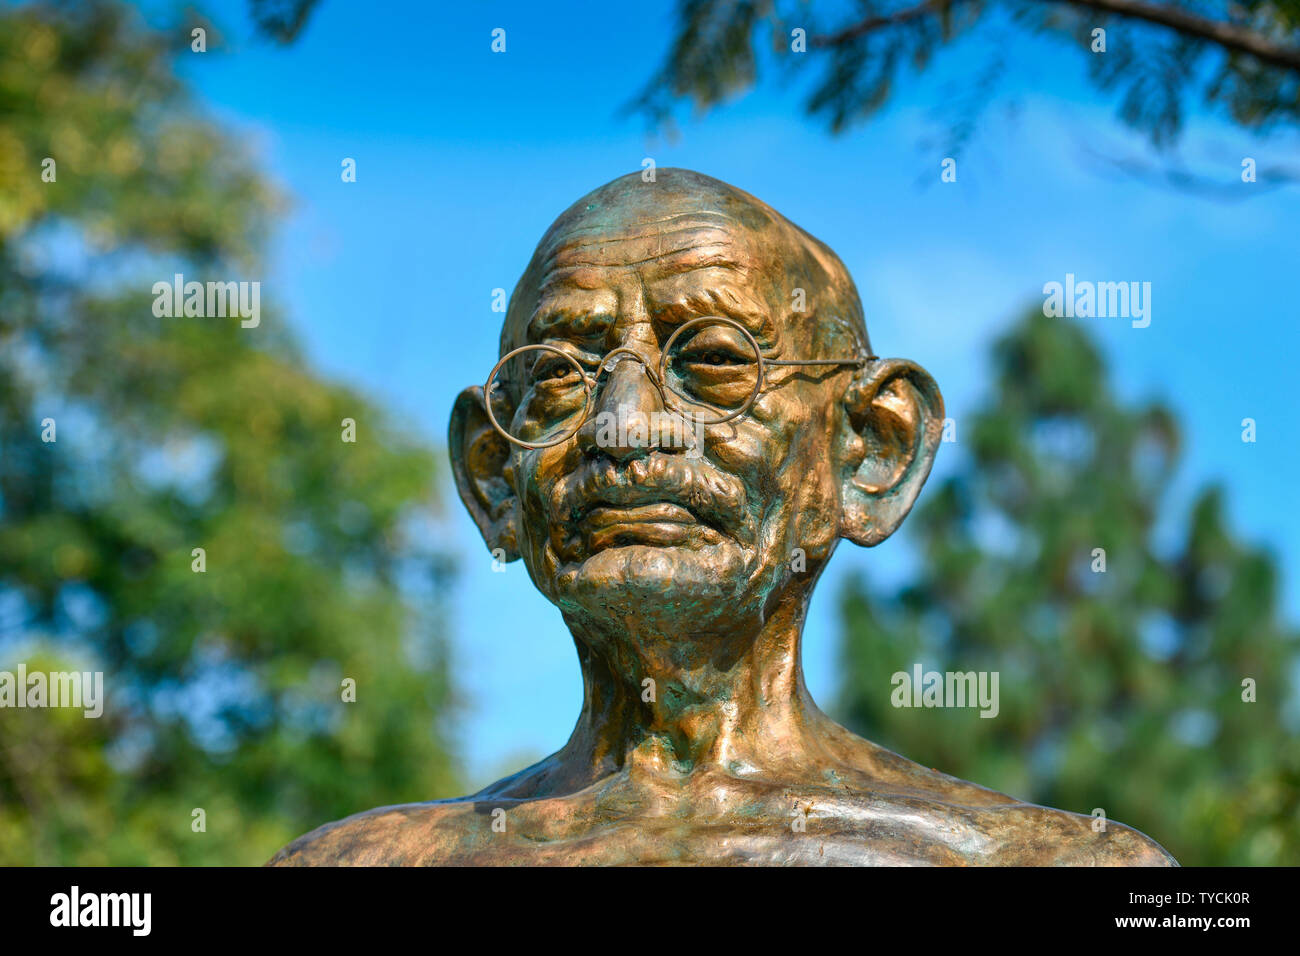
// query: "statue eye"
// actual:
[[716, 357], [553, 371], [713, 356]]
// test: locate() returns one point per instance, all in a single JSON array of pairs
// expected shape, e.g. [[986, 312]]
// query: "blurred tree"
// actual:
[[1120, 688], [1241, 57], [224, 687]]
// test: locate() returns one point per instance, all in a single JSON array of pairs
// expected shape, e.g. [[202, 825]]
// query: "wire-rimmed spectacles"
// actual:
[[710, 371]]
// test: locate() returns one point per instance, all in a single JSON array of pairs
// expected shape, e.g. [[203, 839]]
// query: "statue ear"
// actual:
[[480, 462], [893, 426]]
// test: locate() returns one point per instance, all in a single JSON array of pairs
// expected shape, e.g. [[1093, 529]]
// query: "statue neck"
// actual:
[[670, 704]]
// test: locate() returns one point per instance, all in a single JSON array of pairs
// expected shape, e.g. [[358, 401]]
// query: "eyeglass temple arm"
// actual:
[[861, 360]]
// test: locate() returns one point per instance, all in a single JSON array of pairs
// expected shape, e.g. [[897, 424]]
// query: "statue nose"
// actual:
[[628, 413]]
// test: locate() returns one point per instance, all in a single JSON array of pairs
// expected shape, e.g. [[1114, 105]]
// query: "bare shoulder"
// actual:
[[412, 834], [440, 832], [1041, 836], [986, 827]]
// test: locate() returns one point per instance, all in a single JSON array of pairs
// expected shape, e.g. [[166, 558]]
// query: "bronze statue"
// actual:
[[700, 422]]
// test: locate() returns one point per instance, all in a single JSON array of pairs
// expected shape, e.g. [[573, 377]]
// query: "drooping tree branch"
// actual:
[[1230, 36], [871, 24]]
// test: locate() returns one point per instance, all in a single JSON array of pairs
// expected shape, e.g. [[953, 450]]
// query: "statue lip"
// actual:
[[659, 524], [661, 512], [637, 502], [604, 515]]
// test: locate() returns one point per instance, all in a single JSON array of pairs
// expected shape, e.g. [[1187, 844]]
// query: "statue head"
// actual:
[[649, 519]]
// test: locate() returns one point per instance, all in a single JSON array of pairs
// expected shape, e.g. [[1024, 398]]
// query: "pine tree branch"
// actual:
[[1229, 36], [871, 24]]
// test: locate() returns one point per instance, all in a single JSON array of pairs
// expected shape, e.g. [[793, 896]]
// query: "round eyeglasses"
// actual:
[[710, 371]]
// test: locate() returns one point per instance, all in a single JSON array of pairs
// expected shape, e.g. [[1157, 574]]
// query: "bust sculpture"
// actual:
[[686, 420]]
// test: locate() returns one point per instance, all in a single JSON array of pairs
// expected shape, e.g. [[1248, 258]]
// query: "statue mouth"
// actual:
[[658, 523], [662, 523], [657, 502]]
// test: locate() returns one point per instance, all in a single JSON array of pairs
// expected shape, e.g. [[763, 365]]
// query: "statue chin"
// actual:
[[711, 581]]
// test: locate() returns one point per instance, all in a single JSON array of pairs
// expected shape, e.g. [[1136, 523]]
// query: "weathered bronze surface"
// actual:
[[684, 572]]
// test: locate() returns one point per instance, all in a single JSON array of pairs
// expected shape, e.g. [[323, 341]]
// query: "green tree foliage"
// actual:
[[224, 687], [1120, 689], [1243, 58]]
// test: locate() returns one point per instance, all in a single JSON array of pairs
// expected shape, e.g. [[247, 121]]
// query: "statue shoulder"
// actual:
[[438, 832], [992, 828], [1041, 836], [413, 834]]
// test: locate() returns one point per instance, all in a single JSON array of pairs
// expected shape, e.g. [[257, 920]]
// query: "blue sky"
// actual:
[[464, 157]]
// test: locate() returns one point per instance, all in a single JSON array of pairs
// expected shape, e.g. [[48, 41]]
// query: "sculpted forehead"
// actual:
[[687, 239], [679, 260], [681, 223], [679, 242]]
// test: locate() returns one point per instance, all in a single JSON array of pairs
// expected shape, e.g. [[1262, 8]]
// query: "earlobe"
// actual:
[[892, 428], [479, 459]]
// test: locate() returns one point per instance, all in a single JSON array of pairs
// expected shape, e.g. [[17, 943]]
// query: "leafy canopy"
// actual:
[[224, 688]]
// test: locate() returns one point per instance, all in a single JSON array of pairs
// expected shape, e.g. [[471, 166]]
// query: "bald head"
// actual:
[[684, 221]]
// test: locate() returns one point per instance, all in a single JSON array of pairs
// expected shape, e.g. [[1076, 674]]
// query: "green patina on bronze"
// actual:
[[681, 571]]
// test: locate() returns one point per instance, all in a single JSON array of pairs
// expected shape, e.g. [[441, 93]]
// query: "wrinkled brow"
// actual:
[[686, 273], [677, 304], [555, 317], [568, 317]]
